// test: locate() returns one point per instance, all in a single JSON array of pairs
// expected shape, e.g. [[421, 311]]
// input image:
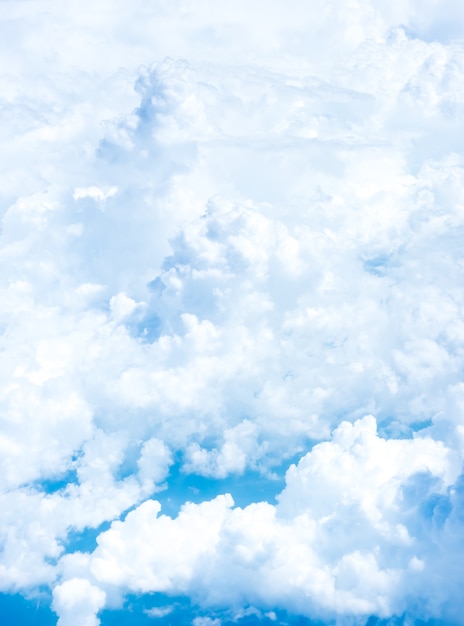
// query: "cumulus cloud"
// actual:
[[222, 246], [77, 601], [362, 524]]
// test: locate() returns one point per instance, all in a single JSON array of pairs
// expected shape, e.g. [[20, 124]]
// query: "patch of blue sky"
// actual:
[[129, 467], [16, 610], [147, 329], [180, 487], [405, 620], [84, 540], [157, 286], [378, 266], [251, 486], [54, 484], [164, 610], [159, 609], [390, 428]]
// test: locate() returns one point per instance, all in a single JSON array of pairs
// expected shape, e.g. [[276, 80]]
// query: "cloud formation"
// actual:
[[229, 234], [353, 533]]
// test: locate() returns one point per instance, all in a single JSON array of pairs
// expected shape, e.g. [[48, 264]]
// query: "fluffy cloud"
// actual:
[[362, 524], [220, 261], [77, 601]]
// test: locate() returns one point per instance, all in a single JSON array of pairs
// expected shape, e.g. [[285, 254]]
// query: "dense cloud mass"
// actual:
[[232, 245]]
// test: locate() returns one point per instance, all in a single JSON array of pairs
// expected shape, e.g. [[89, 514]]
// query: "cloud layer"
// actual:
[[232, 242]]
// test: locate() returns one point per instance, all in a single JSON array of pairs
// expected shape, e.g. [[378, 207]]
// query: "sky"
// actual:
[[231, 312]]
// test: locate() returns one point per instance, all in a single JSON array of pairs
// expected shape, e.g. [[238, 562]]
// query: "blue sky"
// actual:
[[231, 313]]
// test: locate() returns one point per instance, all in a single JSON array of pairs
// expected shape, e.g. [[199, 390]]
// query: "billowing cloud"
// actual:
[[355, 532], [76, 600], [229, 234]]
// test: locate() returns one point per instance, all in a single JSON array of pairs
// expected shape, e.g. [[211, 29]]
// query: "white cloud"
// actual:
[[97, 194], [219, 259], [77, 602], [206, 621], [232, 457], [348, 536], [158, 612], [153, 463]]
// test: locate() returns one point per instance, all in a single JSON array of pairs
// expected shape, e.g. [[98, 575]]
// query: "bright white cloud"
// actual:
[[77, 601], [350, 534], [231, 231]]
